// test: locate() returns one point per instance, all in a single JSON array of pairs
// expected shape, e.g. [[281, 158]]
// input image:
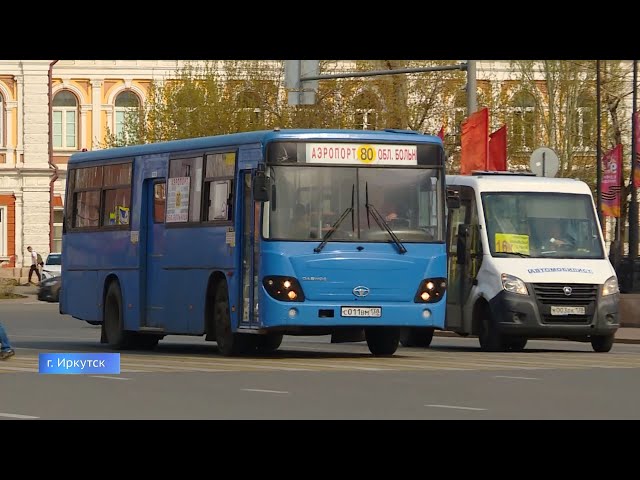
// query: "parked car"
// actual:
[[49, 290], [52, 265]]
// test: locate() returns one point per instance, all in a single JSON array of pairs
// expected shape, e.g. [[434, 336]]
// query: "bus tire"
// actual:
[[116, 336], [416, 337], [229, 343], [268, 343], [382, 340], [602, 343]]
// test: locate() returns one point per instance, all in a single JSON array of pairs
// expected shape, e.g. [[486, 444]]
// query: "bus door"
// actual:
[[249, 251], [463, 256], [155, 294]]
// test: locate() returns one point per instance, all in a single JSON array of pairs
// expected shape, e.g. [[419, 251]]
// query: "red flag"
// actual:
[[498, 150], [441, 133], [611, 179], [475, 142], [636, 173]]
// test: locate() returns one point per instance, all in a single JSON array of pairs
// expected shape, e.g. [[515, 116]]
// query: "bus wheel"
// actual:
[[268, 343], [113, 324], [229, 343], [602, 343], [416, 337], [382, 340]]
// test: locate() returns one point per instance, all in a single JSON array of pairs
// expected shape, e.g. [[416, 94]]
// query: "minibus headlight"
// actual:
[[610, 287], [285, 289], [431, 290], [513, 284]]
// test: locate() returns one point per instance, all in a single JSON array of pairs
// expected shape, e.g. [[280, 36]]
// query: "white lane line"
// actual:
[[109, 378], [516, 378], [455, 407], [16, 415], [261, 391]]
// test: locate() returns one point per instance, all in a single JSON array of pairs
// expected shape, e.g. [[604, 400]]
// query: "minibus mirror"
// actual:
[[453, 198]]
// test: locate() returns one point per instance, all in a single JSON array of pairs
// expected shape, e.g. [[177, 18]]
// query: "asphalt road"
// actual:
[[310, 378]]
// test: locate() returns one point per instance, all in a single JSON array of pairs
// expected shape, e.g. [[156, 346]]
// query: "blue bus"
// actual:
[[246, 237]]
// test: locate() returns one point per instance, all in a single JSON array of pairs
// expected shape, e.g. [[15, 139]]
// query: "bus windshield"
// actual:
[[308, 200], [541, 225]]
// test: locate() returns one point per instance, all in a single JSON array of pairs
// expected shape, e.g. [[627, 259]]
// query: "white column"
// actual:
[[11, 152], [20, 125], [110, 118], [19, 231], [83, 126], [96, 124]]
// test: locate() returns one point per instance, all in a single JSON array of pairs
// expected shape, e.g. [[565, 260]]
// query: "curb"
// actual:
[[443, 333]]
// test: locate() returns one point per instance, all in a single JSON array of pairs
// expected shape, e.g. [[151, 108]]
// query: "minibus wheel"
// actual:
[[602, 343]]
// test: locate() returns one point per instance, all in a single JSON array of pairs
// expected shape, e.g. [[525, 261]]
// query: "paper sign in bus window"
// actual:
[[178, 199], [512, 243]]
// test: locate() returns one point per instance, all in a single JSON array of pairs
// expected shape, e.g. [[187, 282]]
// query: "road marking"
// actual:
[[456, 407], [15, 415], [260, 390], [516, 378], [109, 378]]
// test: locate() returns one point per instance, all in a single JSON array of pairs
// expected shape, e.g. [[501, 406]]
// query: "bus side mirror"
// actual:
[[453, 198], [261, 187]]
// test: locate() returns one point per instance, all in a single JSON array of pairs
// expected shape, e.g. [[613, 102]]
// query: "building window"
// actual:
[[125, 102], [367, 108], [2, 123], [58, 215], [584, 124], [65, 120], [523, 122]]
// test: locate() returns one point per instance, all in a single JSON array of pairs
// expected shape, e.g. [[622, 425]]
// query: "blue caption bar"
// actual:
[[79, 363]]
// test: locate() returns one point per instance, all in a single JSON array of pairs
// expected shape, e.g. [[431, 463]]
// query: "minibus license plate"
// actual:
[[361, 311], [567, 310]]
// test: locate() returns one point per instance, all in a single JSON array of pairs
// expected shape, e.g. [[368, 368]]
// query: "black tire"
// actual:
[[602, 343], [382, 340], [490, 339], [229, 343], [117, 337], [268, 343], [516, 344], [416, 337]]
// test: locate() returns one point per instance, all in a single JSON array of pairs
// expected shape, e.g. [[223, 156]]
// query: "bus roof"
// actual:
[[519, 183], [262, 136]]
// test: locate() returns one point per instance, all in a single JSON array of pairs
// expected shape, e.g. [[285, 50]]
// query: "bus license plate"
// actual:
[[361, 311], [567, 310]]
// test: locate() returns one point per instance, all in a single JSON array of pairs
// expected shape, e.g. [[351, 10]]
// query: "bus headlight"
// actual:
[[513, 284], [285, 289], [610, 287], [431, 290]]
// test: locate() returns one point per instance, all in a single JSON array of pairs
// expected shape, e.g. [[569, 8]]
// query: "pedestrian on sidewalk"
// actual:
[[5, 346], [36, 263]]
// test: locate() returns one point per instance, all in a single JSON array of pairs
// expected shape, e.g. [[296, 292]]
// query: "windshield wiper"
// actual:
[[524, 255], [335, 226], [381, 221]]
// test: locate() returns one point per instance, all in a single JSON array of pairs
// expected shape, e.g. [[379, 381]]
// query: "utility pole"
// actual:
[[633, 208], [472, 103], [598, 147]]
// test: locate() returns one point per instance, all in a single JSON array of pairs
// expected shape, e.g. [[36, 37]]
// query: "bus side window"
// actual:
[[218, 186], [159, 202]]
